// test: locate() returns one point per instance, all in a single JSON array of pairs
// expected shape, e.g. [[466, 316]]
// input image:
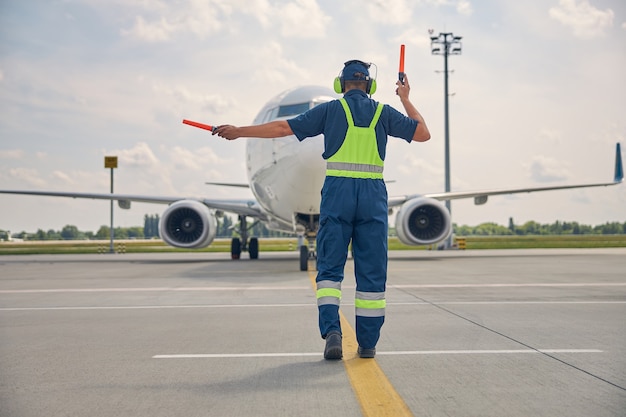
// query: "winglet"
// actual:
[[619, 168]]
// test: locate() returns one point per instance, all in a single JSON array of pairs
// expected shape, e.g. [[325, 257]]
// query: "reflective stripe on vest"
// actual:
[[370, 304], [328, 293], [358, 155]]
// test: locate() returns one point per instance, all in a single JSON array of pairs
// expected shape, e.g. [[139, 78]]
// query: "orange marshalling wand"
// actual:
[[200, 125], [401, 69]]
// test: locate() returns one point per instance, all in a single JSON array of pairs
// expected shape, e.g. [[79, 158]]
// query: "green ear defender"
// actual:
[[338, 85], [339, 88], [371, 87]]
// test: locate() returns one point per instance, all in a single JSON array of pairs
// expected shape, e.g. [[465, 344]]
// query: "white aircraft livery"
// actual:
[[285, 177]]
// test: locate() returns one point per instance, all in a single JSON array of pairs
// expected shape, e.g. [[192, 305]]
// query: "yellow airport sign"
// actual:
[[110, 161]]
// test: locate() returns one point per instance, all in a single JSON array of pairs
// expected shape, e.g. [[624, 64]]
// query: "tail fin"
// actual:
[[619, 168]]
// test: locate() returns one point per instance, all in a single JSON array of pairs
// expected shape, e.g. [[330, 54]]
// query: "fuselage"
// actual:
[[286, 175]]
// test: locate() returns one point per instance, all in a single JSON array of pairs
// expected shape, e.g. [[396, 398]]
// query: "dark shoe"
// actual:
[[366, 353], [333, 348]]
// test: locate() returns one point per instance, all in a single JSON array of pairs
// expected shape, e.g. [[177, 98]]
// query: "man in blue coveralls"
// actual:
[[354, 196]]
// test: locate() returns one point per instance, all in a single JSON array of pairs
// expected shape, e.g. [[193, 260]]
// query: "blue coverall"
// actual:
[[352, 209]]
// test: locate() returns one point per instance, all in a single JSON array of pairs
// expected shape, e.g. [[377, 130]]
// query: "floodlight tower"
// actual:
[[446, 44]]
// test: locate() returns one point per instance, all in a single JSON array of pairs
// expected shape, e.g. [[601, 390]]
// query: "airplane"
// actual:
[[285, 177]]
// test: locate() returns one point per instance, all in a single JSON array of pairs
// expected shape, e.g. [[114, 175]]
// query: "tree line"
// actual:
[[534, 228], [227, 228]]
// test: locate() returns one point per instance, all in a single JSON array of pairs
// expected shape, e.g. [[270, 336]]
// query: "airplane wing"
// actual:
[[228, 184], [241, 207], [481, 196]]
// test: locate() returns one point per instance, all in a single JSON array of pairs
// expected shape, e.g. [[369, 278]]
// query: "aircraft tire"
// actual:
[[235, 248], [253, 248], [304, 258]]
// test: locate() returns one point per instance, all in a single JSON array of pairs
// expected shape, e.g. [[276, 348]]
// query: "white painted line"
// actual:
[[490, 352], [300, 288], [497, 285], [235, 355], [442, 303], [307, 305], [154, 307], [149, 289], [408, 352]]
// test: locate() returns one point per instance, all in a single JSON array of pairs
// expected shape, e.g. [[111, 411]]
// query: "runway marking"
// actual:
[[300, 305], [299, 288], [396, 353], [154, 307], [489, 352], [150, 289], [374, 392], [498, 285], [506, 302]]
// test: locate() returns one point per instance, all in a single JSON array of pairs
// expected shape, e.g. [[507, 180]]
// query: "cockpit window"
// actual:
[[292, 109]]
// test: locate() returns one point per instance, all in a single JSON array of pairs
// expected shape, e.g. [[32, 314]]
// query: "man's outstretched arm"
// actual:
[[275, 129]]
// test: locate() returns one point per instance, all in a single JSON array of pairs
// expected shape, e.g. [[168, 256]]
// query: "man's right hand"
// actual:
[[228, 132], [403, 89]]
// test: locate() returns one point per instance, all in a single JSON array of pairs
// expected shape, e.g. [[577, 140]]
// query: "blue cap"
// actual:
[[355, 70]]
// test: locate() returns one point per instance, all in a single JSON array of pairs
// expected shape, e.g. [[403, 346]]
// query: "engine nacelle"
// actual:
[[423, 221], [188, 224]]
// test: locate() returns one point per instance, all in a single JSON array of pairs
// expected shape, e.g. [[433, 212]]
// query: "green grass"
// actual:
[[127, 246], [548, 241], [290, 244]]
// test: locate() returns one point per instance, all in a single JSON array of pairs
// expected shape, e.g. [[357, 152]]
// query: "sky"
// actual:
[[537, 97]]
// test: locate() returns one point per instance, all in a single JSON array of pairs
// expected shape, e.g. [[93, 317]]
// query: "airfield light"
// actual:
[[111, 162], [446, 44]]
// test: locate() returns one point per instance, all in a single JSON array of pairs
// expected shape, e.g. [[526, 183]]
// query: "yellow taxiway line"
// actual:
[[371, 386]]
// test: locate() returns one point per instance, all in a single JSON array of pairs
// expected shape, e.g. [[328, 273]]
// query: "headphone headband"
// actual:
[[355, 70]]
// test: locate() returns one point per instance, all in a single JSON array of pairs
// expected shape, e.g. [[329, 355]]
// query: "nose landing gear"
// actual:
[[307, 252]]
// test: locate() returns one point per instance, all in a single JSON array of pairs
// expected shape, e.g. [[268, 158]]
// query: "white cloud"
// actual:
[[275, 68], [393, 12], [464, 7], [302, 19], [196, 159], [551, 135], [586, 21], [414, 36], [214, 104], [151, 32], [64, 177], [296, 19], [139, 156], [11, 154], [1, 76], [546, 169], [29, 176], [201, 18]]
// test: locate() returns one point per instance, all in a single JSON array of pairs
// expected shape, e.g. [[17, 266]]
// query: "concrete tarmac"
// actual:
[[468, 333]]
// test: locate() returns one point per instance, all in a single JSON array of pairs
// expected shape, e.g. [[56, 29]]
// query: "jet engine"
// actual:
[[188, 224], [422, 221]]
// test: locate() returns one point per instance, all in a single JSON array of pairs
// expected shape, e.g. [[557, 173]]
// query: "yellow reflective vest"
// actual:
[[358, 155]]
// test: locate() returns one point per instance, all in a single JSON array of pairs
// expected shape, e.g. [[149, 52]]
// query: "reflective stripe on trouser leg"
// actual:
[[328, 300], [370, 316], [370, 304]]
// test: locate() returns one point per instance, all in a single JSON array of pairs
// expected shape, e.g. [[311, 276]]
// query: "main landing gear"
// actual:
[[307, 252], [238, 245]]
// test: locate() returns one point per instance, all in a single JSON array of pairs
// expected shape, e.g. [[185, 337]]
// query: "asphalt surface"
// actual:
[[468, 333]]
